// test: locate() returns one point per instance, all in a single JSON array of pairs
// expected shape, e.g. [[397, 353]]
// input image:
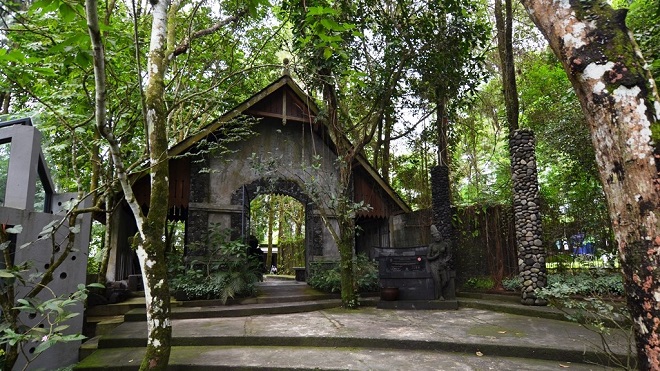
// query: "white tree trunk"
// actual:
[[622, 105]]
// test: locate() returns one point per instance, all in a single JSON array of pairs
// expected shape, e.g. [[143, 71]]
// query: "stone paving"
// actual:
[[366, 339]]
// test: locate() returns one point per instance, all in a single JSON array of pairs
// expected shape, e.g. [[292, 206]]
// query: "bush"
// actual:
[[479, 283], [327, 277], [512, 283], [224, 271], [597, 283]]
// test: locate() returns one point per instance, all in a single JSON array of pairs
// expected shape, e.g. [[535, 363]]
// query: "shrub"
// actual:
[[327, 277], [597, 283], [512, 283], [224, 271], [479, 283]]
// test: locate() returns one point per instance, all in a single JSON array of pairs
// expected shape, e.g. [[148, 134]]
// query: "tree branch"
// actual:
[[185, 45]]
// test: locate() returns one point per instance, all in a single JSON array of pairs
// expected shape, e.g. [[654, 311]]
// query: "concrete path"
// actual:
[[365, 339]]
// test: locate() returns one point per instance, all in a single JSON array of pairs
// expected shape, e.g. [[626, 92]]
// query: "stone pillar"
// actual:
[[197, 224], [440, 199], [531, 253], [442, 216]]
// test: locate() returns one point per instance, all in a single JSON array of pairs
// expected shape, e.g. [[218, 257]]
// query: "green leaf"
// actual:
[[329, 24], [45, 71], [320, 10], [83, 59], [60, 328], [43, 346], [6, 274], [45, 6], [67, 13], [327, 53], [80, 40]]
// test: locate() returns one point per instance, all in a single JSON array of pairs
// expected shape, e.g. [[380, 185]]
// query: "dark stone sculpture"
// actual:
[[439, 255]]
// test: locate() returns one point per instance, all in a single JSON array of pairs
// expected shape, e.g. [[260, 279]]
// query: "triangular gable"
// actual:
[[284, 99], [298, 106]]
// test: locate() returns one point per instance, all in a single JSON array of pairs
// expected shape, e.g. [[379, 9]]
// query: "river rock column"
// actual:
[[531, 254], [442, 217]]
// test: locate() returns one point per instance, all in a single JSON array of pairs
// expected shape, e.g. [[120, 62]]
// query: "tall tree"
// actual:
[[345, 64], [151, 227], [622, 107]]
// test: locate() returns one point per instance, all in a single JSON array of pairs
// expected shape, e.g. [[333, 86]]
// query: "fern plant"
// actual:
[[224, 271]]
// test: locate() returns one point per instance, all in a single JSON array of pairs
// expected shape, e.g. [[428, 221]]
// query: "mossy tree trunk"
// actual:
[[622, 107], [151, 228], [344, 236], [151, 250], [346, 240]]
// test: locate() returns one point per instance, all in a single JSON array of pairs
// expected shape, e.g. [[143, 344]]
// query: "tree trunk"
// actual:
[[615, 90], [504, 25], [387, 141], [5, 99], [151, 251], [152, 227], [345, 236], [102, 277], [282, 231], [271, 221], [443, 129], [346, 243]]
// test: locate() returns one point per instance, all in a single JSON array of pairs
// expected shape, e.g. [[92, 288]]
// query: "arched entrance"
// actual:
[[278, 223], [240, 222]]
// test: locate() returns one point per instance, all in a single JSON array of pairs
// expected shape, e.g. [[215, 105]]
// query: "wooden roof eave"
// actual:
[[381, 182]]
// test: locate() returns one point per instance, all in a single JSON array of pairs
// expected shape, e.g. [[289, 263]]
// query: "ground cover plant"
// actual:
[[582, 283], [326, 276]]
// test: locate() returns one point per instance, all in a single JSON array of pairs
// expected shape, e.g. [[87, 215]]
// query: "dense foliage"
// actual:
[[326, 277], [585, 283], [224, 271]]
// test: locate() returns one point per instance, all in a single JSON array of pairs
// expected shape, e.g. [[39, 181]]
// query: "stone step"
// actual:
[[245, 342], [201, 312], [258, 300], [511, 297], [117, 309], [277, 357], [104, 325], [88, 347]]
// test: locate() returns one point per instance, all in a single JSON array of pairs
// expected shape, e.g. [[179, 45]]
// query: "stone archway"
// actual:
[[313, 223]]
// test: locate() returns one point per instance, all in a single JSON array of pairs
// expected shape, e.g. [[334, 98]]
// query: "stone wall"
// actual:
[[531, 254], [410, 229]]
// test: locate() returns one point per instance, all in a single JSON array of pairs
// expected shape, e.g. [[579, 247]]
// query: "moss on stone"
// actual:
[[494, 331]]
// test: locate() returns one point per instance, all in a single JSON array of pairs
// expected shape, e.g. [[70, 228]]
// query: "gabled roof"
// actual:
[[294, 105]]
